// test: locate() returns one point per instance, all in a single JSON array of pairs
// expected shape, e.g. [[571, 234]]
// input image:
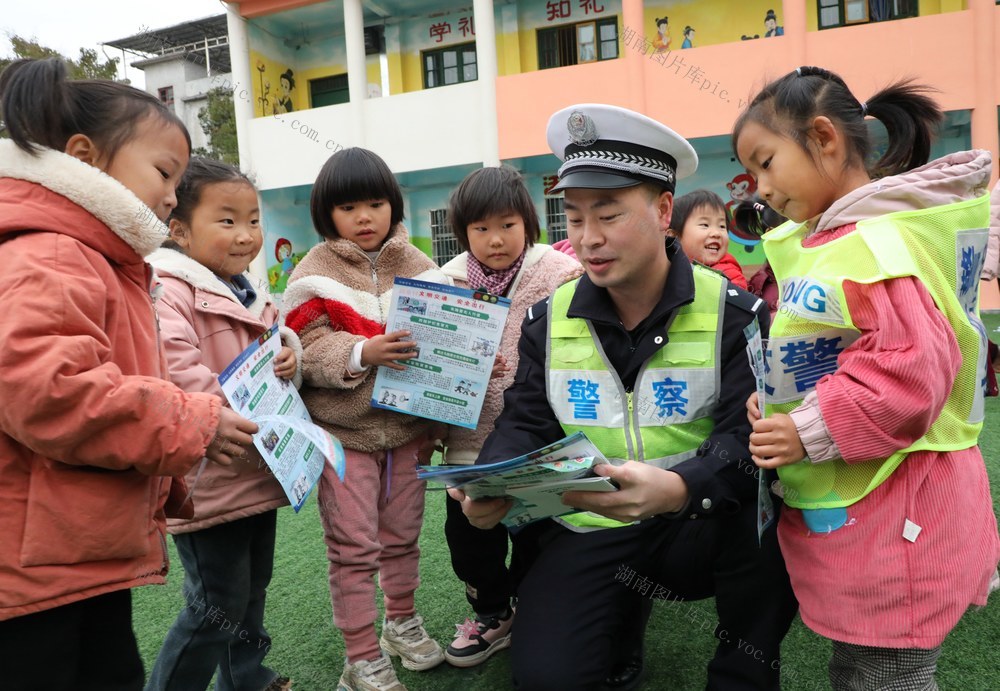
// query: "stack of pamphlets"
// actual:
[[535, 481]]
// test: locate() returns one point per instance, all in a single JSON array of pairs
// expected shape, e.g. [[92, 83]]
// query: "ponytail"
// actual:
[[789, 105], [911, 119], [41, 107]]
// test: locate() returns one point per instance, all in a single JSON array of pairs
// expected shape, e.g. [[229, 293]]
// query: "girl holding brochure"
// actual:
[[337, 300], [210, 310], [888, 530], [90, 430], [494, 220]]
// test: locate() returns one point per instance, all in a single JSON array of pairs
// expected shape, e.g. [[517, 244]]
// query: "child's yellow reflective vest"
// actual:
[[944, 247]]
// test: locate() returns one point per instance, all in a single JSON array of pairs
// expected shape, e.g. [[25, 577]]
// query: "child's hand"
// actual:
[[753, 408], [232, 437], [385, 349], [499, 367], [285, 363], [775, 441]]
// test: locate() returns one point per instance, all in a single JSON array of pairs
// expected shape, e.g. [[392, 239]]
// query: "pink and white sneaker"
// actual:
[[477, 639]]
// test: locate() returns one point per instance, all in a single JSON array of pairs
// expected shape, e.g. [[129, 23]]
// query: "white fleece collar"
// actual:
[[179, 265], [97, 192]]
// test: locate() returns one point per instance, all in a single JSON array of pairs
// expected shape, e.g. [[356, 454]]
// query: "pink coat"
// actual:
[[89, 426], [204, 328], [543, 270], [865, 583], [992, 265]]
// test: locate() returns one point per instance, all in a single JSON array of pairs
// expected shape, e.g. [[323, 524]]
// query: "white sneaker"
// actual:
[[370, 675], [408, 639]]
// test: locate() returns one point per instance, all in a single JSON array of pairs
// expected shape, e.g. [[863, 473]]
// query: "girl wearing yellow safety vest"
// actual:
[[873, 395]]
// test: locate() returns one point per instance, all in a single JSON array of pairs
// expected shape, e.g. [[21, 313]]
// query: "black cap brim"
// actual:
[[587, 179]]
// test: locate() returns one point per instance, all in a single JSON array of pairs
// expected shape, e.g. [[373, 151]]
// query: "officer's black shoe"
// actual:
[[625, 675]]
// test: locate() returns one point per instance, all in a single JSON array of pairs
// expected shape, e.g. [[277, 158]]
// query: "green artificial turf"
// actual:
[[308, 648]]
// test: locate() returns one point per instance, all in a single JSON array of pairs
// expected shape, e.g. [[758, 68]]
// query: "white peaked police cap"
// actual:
[[608, 147]]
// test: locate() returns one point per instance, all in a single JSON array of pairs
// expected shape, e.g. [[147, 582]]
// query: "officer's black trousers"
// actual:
[[582, 596]]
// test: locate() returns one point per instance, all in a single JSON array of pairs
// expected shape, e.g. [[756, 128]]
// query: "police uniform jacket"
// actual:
[[722, 476]]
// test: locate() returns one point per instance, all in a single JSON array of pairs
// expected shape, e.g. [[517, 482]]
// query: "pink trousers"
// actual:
[[371, 523]]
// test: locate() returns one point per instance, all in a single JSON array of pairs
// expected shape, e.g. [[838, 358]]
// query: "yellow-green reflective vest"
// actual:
[[944, 247], [667, 415]]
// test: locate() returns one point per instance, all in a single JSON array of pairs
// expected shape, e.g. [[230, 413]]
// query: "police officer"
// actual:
[[646, 354]]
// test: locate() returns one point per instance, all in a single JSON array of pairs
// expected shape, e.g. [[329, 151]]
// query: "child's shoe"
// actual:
[[408, 639], [370, 675], [279, 683], [479, 638]]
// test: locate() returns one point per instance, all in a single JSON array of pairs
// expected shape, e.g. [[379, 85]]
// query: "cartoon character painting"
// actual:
[[771, 27], [283, 101], [277, 274], [661, 42], [741, 188], [688, 37]]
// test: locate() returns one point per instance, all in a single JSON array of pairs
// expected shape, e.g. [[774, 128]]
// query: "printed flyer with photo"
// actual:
[[536, 481], [293, 447], [457, 332]]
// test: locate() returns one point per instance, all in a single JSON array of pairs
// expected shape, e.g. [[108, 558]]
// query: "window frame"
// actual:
[[437, 55], [550, 49], [854, 5]]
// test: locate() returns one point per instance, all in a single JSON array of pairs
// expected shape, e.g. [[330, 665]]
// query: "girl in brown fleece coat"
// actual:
[[338, 298]]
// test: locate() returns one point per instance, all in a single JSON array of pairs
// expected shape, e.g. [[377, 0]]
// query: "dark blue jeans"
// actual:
[[227, 569]]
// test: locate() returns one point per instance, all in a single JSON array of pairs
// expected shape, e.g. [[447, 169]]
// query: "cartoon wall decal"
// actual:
[[771, 27], [277, 274], [741, 188], [283, 99], [688, 37], [661, 42]]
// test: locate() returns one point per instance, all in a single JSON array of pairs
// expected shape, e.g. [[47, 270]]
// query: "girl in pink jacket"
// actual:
[[495, 222], [874, 386], [211, 309], [90, 428]]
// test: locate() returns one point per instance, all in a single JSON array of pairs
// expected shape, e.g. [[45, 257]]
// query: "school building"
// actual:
[[440, 88]]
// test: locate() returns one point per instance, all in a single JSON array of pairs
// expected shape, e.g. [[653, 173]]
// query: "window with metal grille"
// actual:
[[559, 46], [443, 243], [451, 65], [166, 96], [555, 219]]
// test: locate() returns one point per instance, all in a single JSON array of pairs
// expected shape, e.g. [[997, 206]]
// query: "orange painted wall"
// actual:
[[867, 56]]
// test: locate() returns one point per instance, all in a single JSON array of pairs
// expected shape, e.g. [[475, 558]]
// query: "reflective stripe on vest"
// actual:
[[667, 415], [942, 246]]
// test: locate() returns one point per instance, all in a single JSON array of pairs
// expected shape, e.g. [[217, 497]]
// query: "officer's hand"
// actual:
[[775, 442], [753, 408], [482, 513], [645, 491]]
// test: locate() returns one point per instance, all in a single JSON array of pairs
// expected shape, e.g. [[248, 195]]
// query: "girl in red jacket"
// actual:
[[90, 428], [210, 311], [699, 222]]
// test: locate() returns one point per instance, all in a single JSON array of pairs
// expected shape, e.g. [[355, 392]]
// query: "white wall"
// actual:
[[421, 130]]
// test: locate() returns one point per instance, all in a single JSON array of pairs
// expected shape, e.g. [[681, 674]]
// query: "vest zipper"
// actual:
[[630, 427]]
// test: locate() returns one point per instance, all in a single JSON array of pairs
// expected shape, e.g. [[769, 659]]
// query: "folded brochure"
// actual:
[[535, 481]]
